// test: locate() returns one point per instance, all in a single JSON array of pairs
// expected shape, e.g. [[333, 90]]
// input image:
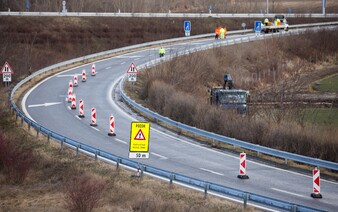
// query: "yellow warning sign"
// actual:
[[139, 137]]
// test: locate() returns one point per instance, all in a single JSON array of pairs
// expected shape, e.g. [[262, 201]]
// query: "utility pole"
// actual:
[[324, 6], [267, 6]]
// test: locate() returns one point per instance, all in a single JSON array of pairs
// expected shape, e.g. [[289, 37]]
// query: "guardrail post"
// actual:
[[96, 153], [206, 188], [294, 208], [16, 116], [77, 149], [118, 161], [172, 177], [48, 137], [245, 199], [142, 168], [21, 121], [286, 161], [62, 144], [37, 132], [29, 126]]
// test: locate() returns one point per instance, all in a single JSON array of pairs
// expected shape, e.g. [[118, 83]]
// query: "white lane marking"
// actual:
[[108, 67], [69, 108], [123, 63], [213, 172], [112, 103], [45, 104], [78, 118], [126, 56], [119, 140], [62, 96], [287, 192], [95, 128], [67, 75], [137, 58], [158, 155]]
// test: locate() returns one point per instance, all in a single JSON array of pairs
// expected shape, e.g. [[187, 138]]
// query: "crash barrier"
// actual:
[[171, 15], [172, 177]]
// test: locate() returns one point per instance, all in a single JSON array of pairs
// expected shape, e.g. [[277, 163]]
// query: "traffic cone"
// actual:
[[81, 109], [242, 167], [93, 70], [93, 123], [75, 81], [73, 106], [112, 126], [70, 94], [84, 76], [70, 84]]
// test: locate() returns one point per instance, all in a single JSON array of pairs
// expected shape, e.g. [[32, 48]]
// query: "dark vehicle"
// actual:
[[231, 99]]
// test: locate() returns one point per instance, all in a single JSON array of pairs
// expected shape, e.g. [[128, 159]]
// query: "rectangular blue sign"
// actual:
[[258, 26], [187, 26]]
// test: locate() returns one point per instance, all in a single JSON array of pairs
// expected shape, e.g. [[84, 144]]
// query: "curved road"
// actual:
[[168, 151]]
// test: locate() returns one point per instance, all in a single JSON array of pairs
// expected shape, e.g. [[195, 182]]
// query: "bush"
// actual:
[[15, 160], [84, 193]]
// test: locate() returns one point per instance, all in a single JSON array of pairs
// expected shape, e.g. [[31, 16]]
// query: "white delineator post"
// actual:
[[316, 184], [111, 126], [81, 109], [242, 166], [84, 76], [93, 123], [73, 106], [93, 70], [75, 81]]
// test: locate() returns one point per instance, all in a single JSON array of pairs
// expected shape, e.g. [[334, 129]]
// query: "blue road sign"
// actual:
[[258, 26], [187, 26]]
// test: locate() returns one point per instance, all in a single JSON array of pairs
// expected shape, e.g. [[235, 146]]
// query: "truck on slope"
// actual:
[[279, 23]]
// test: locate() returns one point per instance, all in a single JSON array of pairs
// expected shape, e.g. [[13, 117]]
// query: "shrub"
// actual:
[[15, 160], [83, 193]]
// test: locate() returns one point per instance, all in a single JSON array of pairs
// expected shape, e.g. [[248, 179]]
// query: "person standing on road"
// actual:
[[222, 32], [161, 52]]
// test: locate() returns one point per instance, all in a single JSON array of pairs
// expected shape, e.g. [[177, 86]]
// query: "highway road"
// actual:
[[168, 150]]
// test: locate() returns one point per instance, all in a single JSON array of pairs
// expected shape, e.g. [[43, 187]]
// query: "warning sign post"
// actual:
[[139, 140]]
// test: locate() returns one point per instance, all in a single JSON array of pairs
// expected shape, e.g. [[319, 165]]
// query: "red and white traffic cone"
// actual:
[[316, 184], [75, 81], [242, 167], [70, 94], [73, 106], [94, 124], [70, 84], [112, 126], [93, 70], [84, 76], [81, 109]]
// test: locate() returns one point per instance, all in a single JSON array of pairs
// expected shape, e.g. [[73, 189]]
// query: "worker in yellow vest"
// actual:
[[222, 33], [161, 52]]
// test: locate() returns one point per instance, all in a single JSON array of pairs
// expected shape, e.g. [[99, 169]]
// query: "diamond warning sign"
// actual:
[[139, 140]]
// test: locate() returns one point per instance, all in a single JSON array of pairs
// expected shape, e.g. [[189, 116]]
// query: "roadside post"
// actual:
[[187, 28], [6, 72]]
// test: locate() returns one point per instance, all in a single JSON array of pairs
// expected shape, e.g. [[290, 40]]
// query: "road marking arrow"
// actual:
[[45, 104]]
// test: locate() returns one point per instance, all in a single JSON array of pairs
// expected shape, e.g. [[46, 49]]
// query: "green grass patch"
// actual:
[[329, 84], [322, 116]]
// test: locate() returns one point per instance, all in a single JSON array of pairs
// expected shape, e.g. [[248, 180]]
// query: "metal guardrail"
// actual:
[[171, 15], [99, 154]]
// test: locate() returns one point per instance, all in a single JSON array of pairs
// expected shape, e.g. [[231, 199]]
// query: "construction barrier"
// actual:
[[316, 184], [111, 126], [93, 70], [81, 109], [84, 76], [73, 106], [242, 167], [75, 81], [70, 94], [93, 123]]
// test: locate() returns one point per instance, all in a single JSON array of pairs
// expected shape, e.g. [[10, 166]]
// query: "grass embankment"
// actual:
[[272, 70], [329, 84]]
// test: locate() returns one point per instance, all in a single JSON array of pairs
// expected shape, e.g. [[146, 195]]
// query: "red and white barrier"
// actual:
[[75, 81], [242, 166], [84, 76], [316, 184], [94, 124], [70, 84], [81, 109], [93, 70], [73, 106], [70, 94], [111, 126]]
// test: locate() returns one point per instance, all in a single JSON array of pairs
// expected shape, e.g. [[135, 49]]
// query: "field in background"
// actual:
[[198, 6]]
